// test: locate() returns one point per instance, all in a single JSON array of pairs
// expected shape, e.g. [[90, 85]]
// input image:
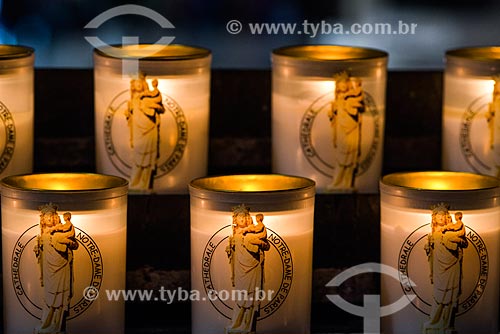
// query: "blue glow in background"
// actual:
[[55, 28]]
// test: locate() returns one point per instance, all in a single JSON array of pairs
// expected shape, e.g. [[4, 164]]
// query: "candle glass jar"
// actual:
[[16, 109], [440, 232], [152, 115], [251, 253], [328, 107], [471, 111], [64, 249]]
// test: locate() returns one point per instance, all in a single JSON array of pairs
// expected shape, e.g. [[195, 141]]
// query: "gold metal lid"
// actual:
[[459, 189], [445, 181], [153, 52], [481, 53], [8, 52], [481, 61], [252, 183], [329, 53], [83, 190], [269, 192]]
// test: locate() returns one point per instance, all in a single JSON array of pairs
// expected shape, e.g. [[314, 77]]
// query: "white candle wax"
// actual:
[[98, 262], [440, 234], [287, 271], [302, 133], [183, 128], [467, 134], [16, 122], [404, 234]]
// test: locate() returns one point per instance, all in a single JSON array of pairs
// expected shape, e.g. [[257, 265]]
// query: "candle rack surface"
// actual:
[[347, 227]]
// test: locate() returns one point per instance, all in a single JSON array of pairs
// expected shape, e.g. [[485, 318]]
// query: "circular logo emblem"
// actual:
[[217, 281], [475, 264], [474, 143], [7, 137], [26, 272], [318, 149], [170, 143]]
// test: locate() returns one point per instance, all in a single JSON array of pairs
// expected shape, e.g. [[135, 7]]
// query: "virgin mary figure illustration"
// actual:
[[345, 118], [444, 248], [493, 119], [143, 116], [246, 256], [54, 251]]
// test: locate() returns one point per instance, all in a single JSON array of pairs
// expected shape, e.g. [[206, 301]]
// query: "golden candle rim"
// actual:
[[63, 182], [476, 53], [8, 52], [329, 53], [154, 52], [441, 181], [252, 183]]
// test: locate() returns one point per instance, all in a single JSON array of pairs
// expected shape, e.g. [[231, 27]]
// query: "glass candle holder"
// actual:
[[328, 106], [16, 109], [152, 115], [64, 248], [471, 111], [251, 253], [441, 232]]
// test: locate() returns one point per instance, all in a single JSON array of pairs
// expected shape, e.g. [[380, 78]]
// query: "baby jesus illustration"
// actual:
[[454, 233], [354, 96], [256, 235], [63, 235], [152, 99]]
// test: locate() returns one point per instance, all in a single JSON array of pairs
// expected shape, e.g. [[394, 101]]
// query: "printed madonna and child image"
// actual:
[[152, 117], [439, 253], [444, 248], [471, 110], [340, 134], [251, 258], [54, 251], [246, 252], [493, 120], [143, 118], [345, 116]]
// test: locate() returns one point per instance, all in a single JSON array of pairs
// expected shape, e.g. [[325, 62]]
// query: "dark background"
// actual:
[[55, 28]]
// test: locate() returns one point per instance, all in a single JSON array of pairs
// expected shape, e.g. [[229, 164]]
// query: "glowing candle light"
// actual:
[[63, 249], [152, 122], [16, 109], [328, 106], [441, 232], [251, 253], [471, 111]]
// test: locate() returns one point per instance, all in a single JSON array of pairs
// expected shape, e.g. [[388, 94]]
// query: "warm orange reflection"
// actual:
[[441, 180], [252, 183], [63, 182]]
